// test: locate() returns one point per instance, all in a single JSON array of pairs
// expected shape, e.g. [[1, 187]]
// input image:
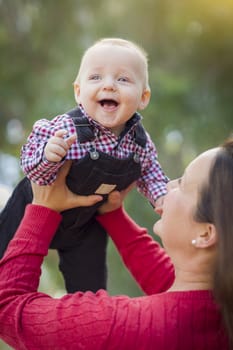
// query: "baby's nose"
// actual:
[[109, 84]]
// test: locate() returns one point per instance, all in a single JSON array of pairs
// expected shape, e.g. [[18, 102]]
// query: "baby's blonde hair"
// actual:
[[123, 43]]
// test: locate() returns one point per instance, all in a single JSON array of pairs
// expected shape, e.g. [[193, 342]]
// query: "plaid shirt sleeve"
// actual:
[[152, 183], [33, 162]]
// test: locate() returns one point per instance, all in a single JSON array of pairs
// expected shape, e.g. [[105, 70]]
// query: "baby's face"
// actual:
[[111, 85]]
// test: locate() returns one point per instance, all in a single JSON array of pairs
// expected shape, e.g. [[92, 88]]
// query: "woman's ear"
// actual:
[[145, 99], [207, 238]]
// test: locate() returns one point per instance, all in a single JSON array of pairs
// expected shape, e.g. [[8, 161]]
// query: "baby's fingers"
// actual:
[[70, 140], [60, 133], [66, 142]]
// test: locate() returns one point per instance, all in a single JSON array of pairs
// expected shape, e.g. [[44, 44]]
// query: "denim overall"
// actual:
[[80, 240]]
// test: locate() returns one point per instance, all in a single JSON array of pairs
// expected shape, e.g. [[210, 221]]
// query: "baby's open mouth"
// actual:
[[108, 103]]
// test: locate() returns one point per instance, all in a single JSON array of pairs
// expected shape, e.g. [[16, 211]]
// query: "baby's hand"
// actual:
[[57, 147]]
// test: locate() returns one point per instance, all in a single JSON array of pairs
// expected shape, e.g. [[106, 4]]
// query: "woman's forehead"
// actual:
[[197, 171]]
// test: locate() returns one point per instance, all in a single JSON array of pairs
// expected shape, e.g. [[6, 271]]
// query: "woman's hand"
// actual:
[[58, 197], [115, 200]]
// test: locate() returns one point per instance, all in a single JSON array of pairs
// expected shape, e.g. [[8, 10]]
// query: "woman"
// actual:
[[179, 311]]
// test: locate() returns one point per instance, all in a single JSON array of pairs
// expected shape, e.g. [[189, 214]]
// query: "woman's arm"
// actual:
[[143, 256], [33, 320]]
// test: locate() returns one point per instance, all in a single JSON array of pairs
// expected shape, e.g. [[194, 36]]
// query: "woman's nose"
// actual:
[[159, 206], [159, 210]]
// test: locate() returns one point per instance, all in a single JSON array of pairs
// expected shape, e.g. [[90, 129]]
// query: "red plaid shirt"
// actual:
[[152, 183]]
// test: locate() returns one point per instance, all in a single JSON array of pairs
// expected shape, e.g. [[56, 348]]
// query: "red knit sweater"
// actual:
[[164, 321]]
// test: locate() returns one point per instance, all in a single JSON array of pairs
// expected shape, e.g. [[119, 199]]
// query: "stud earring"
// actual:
[[194, 241]]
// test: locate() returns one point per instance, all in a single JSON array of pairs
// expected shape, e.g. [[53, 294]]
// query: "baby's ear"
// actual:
[[76, 91], [145, 99]]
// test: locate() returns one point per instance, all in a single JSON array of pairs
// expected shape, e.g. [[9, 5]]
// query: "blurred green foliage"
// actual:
[[190, 47]]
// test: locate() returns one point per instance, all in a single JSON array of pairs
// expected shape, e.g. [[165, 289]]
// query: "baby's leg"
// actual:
[[13, 212], [83, 265]]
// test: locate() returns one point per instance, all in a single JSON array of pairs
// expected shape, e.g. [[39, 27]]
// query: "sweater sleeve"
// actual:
[[35, 321], [143, 256]]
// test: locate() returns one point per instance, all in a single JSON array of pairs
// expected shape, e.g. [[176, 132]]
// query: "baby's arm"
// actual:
[[152, 183], [34, 162]]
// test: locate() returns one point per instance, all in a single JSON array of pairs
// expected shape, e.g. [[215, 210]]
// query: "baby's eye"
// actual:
[[95, 77], [124, 79]]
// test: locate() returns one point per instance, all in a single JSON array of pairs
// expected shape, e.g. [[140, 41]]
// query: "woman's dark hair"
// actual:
[[215, 205]]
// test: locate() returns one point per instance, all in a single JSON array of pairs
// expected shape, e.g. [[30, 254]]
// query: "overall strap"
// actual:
[[84, 130], [140, 135]]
